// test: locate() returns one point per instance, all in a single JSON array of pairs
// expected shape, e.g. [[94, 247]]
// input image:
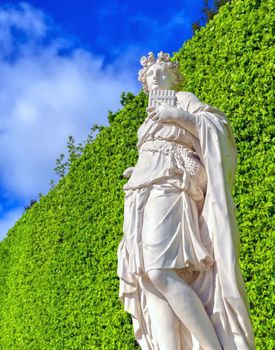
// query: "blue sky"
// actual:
[[63, 65]]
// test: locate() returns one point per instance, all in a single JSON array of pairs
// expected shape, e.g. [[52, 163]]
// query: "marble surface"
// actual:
[[178, 260]]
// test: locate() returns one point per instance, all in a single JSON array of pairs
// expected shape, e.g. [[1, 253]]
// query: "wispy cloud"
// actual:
[[50, 88]]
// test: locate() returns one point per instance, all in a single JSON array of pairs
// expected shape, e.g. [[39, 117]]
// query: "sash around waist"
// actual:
[[160, 145], [187, 158]]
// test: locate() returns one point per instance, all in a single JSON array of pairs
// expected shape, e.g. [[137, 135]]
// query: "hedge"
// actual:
[[58, 283]]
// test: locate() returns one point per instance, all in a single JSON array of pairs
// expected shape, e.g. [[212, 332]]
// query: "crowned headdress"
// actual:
[[163, 59]]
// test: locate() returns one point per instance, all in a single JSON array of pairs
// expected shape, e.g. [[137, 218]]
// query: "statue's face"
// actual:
[[159, 78]]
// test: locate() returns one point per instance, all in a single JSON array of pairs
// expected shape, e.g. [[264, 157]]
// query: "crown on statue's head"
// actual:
[[163, 59]]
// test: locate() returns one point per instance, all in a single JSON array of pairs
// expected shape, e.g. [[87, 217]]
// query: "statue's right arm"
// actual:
[[165, 113]]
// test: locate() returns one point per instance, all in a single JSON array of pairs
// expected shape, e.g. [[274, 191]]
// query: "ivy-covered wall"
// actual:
[[58, 284]]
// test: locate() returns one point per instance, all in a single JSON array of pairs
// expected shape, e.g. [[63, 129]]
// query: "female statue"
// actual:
[[178, 261]]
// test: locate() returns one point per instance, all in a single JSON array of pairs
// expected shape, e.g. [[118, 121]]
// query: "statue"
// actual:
[[178, 260]]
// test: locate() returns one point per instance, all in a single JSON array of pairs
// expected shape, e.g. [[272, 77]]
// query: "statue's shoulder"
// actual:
[[187, 100], [186, 96]]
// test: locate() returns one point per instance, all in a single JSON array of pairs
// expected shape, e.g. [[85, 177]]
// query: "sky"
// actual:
[[63, 65]]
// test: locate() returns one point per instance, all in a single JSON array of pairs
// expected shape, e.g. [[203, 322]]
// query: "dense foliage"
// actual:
[[58, 284]]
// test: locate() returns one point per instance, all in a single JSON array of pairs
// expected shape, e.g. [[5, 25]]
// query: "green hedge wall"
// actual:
[[58, 284]]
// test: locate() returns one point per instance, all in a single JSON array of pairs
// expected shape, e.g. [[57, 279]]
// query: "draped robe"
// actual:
[[218, 281]]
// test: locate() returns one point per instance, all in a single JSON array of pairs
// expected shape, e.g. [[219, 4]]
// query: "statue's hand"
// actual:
[[128, 172], [163, 113]]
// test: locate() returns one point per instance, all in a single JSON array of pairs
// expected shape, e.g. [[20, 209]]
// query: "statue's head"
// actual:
[[160, 73]]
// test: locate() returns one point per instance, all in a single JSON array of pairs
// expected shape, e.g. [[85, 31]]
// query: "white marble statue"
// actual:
[[178, 260]]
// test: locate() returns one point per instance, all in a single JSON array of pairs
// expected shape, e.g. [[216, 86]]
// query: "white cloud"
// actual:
[[50, 89]]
